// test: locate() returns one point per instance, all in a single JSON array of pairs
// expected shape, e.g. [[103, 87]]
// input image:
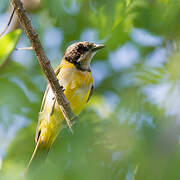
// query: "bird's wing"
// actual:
[[47, 89], [44, 97], [91, 92], [42, 105]]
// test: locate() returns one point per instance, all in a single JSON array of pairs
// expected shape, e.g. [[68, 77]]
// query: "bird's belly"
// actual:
[[53, 115], [78, 99]]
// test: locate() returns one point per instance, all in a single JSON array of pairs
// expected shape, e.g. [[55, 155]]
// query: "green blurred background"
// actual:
[[130, 128]]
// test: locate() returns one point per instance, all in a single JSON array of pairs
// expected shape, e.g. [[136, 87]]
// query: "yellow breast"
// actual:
[[77, 85]]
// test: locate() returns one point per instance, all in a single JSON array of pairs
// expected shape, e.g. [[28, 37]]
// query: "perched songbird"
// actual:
[[74, 74]]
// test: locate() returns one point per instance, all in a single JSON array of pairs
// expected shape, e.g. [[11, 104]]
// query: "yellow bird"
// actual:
[[74, 74]]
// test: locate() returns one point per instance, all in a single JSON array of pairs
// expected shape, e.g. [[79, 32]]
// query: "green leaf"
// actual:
[[7, 44]]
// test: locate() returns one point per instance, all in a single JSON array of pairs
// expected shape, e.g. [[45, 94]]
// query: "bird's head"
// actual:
[[81, 54]]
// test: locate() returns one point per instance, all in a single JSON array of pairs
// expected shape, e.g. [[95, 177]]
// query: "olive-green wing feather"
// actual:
[[90, 94], [42, 105]]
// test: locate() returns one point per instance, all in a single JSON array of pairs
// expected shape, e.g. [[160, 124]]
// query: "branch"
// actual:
[[43, 61]]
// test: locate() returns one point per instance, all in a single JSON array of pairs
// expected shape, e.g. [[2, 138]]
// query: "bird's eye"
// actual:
[[89, 46]]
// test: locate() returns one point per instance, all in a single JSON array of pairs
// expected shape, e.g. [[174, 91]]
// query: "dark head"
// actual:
[[81, 54]]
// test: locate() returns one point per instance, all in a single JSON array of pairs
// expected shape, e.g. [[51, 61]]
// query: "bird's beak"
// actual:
[[98, 46]]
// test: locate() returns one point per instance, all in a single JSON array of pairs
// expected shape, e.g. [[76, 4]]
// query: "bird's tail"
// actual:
[[38, 157]]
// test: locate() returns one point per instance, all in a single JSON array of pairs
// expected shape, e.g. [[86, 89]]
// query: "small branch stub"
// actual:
[[23, 48], [43, 61]]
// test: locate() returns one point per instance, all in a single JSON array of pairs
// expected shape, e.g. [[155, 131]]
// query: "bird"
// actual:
[[74, 74]]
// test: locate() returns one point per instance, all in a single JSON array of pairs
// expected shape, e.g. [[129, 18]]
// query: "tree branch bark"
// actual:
[[43, 61]]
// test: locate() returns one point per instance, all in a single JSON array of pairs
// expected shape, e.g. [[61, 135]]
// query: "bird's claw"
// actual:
[[62, 88]]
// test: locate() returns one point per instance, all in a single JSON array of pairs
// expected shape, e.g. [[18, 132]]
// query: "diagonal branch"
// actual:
[[43, 61]]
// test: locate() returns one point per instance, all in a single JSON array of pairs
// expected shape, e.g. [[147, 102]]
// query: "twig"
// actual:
[[9, 22], [23, 48], [43, 61]]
